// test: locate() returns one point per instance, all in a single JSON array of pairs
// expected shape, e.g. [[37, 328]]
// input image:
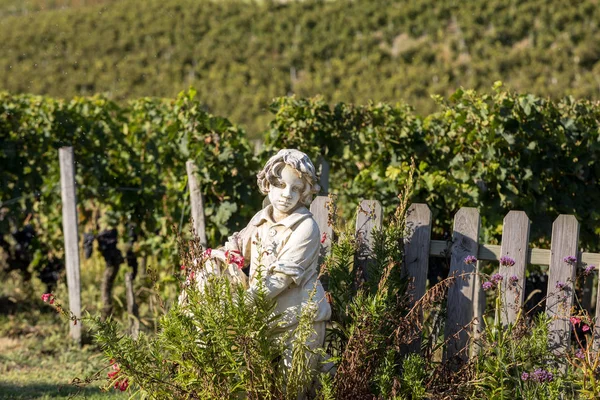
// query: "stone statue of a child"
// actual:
[[283, 240]]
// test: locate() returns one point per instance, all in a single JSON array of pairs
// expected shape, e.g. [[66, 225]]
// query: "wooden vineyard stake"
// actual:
[[197, 202], [70, 232]]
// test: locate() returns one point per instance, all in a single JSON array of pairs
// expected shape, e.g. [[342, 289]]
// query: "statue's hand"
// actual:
[[218, 254]]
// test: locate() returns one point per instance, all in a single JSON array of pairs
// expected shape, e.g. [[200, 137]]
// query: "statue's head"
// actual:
[[289, 167]]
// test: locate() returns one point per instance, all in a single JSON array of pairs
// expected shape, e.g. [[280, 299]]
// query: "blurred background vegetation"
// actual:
[[363, 74], [241, 54]]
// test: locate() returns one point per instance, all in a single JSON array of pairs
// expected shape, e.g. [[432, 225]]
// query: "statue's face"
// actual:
[[286, 197]]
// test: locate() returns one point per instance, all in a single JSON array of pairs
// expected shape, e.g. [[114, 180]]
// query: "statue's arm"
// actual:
[[296, 255]]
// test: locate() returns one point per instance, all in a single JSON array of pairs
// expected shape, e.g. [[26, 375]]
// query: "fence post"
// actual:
[[515, 244], [561, 281], [69, 220], [369, 217], [197, 202], [416, 259], [461, 294], [132, 308]]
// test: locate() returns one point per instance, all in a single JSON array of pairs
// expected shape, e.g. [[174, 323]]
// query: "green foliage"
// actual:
[[242, 54], [130, 166], [413, 376], [496, 152]]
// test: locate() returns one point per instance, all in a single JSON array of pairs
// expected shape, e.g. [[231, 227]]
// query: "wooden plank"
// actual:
[[320, 211], [515, 246], [197, 202], [586, 295], [324, 176], [369, 217], [462, 294], [492, 252], [416, 256], [70, 232], [565, 236]]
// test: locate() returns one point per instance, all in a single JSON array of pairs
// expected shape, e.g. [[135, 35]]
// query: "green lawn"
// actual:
[[44, 368]]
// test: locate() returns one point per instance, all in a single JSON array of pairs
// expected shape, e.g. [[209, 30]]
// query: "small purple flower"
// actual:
[[470, 260], [505, 260], [541, 376], [487, 285], [561, 285], [513, 279], [524, 376], [572, 260], [580, 354], [496, 278], [589, 269]]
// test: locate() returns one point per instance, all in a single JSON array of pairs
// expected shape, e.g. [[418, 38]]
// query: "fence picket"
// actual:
[[369, 217], [461, 294], [416, 256], [565, 236], [515, 244]]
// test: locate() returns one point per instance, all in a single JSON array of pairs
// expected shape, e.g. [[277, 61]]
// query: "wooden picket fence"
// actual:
[[466, 297]]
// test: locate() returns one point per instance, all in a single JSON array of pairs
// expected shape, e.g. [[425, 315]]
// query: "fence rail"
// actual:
[[466, 298]]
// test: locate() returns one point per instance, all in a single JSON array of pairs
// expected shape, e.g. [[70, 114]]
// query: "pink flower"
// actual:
[[470, 260], [234, 257], [496, 278], [192, 275], [487, 285], [505, 260], [572, 260], [580, 354], [46, 297], [207, 253], [323, 237], [585, 328], [513, 279], [575, 321], [182, 267], [589, 269]]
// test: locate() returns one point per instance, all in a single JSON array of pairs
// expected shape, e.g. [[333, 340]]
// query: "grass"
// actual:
[[37, 360], [35, 365]]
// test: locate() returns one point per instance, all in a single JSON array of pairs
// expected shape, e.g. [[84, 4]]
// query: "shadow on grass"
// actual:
[[41, 390]]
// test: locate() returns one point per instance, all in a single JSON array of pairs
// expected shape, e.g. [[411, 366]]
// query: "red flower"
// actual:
[[112, 374], [234, 257], [575, 321], [182, 267], [123, 385], [46, 297], [192, 275], [323, 237], [207, 252], [585, 328]]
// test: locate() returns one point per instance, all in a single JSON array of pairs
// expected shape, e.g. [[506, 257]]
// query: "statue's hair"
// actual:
[[271, 173]]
